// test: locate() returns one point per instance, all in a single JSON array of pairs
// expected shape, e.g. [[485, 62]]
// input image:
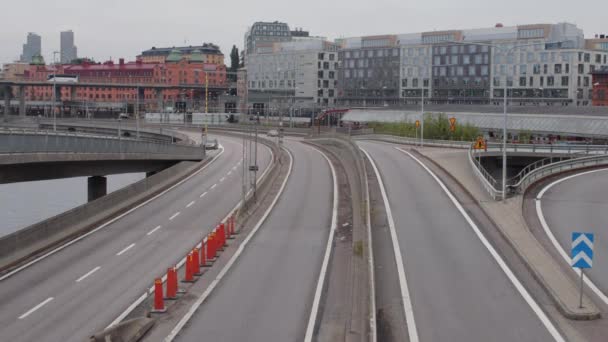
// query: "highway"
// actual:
[[268, 293], [578, 203], [82, 288], [458, 291]]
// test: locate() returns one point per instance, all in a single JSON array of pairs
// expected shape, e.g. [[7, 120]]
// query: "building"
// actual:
[[369, 72], [176, 71], [292, 74], [32, 47], [67, 48], [211, 53], [548, 64], [14, 71], [600, 87], [261, 36]]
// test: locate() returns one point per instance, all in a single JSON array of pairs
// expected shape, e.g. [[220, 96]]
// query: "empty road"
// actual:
[[82, 288]]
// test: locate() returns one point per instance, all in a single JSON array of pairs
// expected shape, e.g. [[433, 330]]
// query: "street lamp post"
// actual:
[[55, 89]]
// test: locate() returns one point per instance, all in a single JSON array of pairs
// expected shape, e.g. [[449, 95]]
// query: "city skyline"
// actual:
[[116, 40]]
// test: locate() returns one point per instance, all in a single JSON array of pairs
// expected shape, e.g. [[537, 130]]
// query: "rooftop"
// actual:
[[206, 48]]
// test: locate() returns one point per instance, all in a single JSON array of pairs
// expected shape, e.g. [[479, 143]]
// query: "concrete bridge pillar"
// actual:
[[97, 187], [21, 100]]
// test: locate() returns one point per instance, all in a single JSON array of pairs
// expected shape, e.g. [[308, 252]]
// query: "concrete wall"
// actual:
[[42, 236]]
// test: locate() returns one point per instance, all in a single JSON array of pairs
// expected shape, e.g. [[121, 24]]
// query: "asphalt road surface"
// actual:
[[267, 295], [580, 204], [458, 292], [82, 288]]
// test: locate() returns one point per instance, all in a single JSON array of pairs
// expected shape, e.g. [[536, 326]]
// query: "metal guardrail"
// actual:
[[487, 181], [16, 141], [413, 141]]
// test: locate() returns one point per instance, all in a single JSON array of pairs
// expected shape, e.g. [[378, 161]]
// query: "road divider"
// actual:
[[171, 283], [159, 303]]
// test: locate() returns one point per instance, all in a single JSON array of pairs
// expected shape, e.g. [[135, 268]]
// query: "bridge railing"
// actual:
[[16, 141]]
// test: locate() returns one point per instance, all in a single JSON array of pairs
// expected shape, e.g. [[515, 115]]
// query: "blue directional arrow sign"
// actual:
[[582, 250]]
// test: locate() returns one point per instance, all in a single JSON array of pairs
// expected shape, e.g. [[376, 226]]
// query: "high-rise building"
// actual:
[[32, 47], [262, 35], [68, 49]]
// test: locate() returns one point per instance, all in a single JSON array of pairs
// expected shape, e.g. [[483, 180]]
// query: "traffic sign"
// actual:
[[480, 144], [417, 123], [452, 124], [582, 250], [253, 168]]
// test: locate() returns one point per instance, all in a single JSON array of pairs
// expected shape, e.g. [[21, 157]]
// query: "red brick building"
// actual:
[[600, 87], [175, 71]]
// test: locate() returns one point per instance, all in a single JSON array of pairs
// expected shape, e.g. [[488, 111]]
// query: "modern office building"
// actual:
[[292, 74], [211, 53], [540, 64], [67, 48], [261, 36], [32, 47]]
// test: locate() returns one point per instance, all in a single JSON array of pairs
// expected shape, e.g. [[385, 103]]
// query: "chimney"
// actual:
[[121, 61]]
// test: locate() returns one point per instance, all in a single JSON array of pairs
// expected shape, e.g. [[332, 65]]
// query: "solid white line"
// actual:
[[36, 308], [556, 244], [405, 292], [222, 179], [190, 204], [203, 194], [182, 262], [153, 230], [125, 249], [46, 255], [174, 216], [314, 312], [213, 186], [372, 273], [88, 274], [501, 263], [182, 322]]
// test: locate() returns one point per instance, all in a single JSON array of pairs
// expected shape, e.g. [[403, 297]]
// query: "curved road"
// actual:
[[580, 203], [458, 292], [82, 288], [267, 295]]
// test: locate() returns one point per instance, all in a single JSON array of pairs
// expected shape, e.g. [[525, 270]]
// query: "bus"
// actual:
[[60, 78]]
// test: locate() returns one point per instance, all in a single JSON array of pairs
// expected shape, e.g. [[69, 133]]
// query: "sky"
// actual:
[[123, 28]]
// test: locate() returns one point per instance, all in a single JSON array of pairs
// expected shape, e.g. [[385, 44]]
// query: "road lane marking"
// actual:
[[556, 244], [203, 194], [190, 204], [222, 179], [229, 173], [234, 168], [153, 230], [174, 216], [107, 223], [126, 249], [36, 308], [88, 274], [182, 262], [182, 322], [412, 330], [213, 186], [314, 312], [501, 263]]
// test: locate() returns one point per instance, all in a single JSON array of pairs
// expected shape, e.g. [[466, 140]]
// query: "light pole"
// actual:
[[137, 113]]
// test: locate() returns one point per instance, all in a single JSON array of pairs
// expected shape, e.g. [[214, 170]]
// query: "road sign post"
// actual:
[[452, 125], [417, 126], [582, 256]]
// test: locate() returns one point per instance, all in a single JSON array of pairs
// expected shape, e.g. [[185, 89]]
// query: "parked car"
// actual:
[[273, 133], [123, 116]]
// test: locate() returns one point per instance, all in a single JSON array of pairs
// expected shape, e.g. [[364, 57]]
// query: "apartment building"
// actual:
[[548, 64], [300, 73]]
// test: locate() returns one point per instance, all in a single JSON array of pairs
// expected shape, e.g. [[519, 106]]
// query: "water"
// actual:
[[25, 203]]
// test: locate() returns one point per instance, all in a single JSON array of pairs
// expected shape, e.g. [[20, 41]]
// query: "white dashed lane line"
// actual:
[[190, 204], [153, 230], [36, 308], [88, 274], [222, 179], [174, 216], [126, 249], [203, 194], [213, 186], [229, 173]]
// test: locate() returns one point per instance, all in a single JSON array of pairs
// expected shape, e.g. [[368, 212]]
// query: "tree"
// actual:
[[234, 61]]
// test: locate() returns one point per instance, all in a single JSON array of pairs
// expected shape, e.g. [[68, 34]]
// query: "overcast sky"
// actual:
[[123, 28]]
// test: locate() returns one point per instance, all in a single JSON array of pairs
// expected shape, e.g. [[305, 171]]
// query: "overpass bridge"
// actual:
[[29, 155]]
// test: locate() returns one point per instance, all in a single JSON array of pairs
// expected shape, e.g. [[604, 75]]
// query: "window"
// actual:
[[320, 74], [531, 83], [587, 57], [442, 71], [545, 69], [536, 69], [564, 81], [332, 56], [558, 68], [443, 50], [478, 59], [496, 81], [466, 59], [530, 57], [509, 81], [472, 48], [331, 75], [425, 82], [586, 81], [471, 70], [542, 81], [437, 60], [415, 83], [550, 81], [454, 59], [544, 57], [523, 69], [484, 70], [581, 68], [404, 83], [326, 65], [330, 93], [325, 84], [567, 68]]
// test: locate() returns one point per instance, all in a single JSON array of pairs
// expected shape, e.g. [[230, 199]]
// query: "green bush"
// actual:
[[435, 127]]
